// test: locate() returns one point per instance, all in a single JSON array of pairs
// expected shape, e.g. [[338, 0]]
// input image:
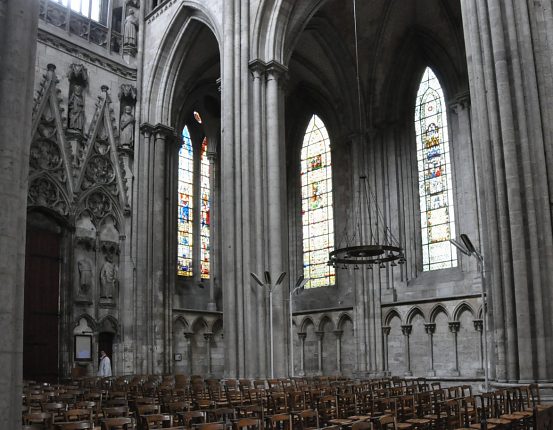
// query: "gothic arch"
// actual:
[[199, 324], [217, 325], [89, 320], [180, 38], [101, 205], [304, 323], [180, 320], [109, 324], [392, 313], [413, 312], [325, 319], [460, 308], [436, 310], [342, 319]]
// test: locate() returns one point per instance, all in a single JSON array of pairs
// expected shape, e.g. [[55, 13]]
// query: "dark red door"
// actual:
[[42, 309]]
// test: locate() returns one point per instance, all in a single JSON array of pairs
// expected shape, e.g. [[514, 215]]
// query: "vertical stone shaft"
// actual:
[[18, 30]]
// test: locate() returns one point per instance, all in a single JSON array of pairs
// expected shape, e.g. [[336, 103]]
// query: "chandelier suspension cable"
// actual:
[[381, 246]]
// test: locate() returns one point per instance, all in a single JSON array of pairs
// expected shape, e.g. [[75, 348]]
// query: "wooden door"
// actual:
[[42, 308]]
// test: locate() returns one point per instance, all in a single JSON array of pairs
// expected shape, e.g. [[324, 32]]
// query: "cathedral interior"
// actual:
[[356, 189]]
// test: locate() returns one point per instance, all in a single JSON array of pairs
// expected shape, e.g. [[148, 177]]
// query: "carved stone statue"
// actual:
[[130, 29], [76, 109], [85, 277], [126, 126], [108, 278]]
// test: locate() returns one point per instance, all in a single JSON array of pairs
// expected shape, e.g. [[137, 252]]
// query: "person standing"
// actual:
[[104, 369]]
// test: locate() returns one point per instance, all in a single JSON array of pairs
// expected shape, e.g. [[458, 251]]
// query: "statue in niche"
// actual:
[[130, 29], [76, 109], [85, 277], [126, 133], [108, 278]]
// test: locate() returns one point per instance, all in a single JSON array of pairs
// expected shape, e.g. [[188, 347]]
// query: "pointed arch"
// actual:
[[436, 310], [317, 205], [180, 320], [109, 324], [89, 320], [305, 323], [199, 324], [342, 319], [462, 307], [393, 313], [413, 312], [325, 319], [435, 175]]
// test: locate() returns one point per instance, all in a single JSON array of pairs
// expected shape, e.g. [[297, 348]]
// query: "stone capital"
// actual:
[[189, 335], [430, 328], [147, 129], [478, 325], [208, 335], [460, 102], [386, 330], [406, 329], [258, 68], [302, 336], [275, 70], [319, 334], [454, 326], [338, 333], [166, 133], [211, 156]]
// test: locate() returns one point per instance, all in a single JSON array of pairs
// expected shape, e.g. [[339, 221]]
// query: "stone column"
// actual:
[[508, 47], [189, 335], [338, 334], [302, 337], [320, 335], [258, 70], [18, 32], [158, 230], [386, 333], [276, 204], [454, 328], [479, 327], [430, 328], [208, 336], [406, 330]]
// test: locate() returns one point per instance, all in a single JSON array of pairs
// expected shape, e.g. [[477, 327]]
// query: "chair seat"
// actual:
[[340, 421], [404, 426], [499, 421], [359, 417], [419, 421]]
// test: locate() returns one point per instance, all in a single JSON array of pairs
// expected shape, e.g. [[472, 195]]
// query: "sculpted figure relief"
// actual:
[[126, 126], [76, 109], [85, 277], [108, 278], [131, 26]]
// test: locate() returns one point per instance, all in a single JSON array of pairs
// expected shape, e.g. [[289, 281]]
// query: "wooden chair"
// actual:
[[57, 410], [157, 421], [220, 415], [361, 425], [385, 422], [188, 418], [121, 423], [211, 426], [247, 424], [117, 412], [280, 422], [78, 415], [308, 419], [78, 425], [43, 419]]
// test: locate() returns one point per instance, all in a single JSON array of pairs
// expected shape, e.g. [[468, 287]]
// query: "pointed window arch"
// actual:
[[185, 224], [317, 206], [435, 175]]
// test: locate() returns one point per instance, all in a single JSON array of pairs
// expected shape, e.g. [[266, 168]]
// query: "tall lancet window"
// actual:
[[317, 210], [204, 211], [185, 206], [435, 176]]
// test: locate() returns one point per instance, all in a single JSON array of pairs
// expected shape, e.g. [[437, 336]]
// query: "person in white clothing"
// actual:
[[104, 369]]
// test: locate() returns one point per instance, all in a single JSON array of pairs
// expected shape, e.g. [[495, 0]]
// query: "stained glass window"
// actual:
[[185, 206], [435, 176], [204, 212], [317, 210]]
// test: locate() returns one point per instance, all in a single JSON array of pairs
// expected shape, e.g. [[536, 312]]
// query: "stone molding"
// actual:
[[85, 55]]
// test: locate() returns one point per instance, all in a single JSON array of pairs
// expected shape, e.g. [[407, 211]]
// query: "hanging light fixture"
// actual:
[[376, 245]]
